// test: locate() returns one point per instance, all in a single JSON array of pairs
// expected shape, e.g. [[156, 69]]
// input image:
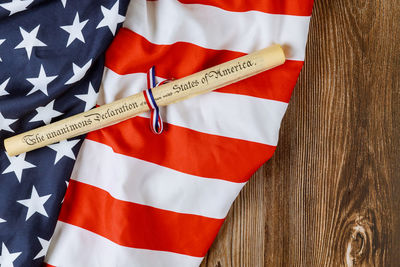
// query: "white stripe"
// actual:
[[72, 246], [154, 120], [146, 183], [151, 77], [230, 115], [168, 21], [149, 98]]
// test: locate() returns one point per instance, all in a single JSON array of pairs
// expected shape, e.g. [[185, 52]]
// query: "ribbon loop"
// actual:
[[156, 123]]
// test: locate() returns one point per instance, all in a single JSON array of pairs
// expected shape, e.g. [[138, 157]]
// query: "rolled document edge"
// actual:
[[198, 83]]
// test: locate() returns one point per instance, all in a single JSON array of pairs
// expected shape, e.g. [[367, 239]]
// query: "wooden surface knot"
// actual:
[[330, 195], [359, 241]]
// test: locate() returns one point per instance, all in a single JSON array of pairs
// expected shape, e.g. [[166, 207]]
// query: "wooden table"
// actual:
[[330, 196]]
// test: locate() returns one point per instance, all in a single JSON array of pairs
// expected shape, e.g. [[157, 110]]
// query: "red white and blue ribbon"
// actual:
[[156, 123]]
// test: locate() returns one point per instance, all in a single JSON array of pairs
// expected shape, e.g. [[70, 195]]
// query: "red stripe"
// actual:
[[288, 7], [147, 99], [134, 225], [185, 150], [47, 265], [148, 79], [132, 53]]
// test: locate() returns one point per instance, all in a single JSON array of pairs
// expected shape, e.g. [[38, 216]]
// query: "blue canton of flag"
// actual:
[[51, 65]]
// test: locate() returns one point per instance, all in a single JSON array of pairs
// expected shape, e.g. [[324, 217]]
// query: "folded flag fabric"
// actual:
[[51, 65], [140, 199]]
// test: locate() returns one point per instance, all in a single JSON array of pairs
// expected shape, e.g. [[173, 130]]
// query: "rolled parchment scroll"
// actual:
[[123, 109]]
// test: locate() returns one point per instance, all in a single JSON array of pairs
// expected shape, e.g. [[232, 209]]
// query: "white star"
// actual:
[[90, 98], [17, 165], [45, 246], [3, 87], [46, 113], [111, 18], [35, 204], [29, 40], [16, 6], [7, 258], [64, 3], [79, 72], [64, 148], [75, 30], [2, 220], [5, 123], [1, 41], [41, 82]]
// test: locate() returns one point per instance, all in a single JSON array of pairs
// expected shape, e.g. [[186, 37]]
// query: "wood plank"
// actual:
[[330, 196]]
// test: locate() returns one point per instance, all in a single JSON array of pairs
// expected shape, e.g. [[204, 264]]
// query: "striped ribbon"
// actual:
[[156, 123]]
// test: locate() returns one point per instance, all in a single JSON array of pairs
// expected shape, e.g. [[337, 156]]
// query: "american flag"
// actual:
[[136, 198], [52, 59]]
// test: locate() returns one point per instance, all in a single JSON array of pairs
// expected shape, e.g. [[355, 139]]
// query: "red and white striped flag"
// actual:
[[140, 199]]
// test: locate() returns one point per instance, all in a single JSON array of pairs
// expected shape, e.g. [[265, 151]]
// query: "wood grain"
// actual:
[[330, 196]]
